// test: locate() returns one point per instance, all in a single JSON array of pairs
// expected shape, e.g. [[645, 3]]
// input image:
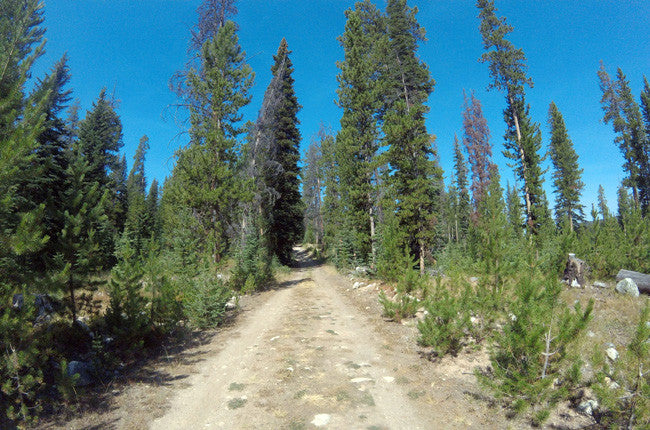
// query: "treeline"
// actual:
[[375, 197], [74, 222]]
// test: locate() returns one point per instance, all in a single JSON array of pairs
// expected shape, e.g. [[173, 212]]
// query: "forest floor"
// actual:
[[313, 352]]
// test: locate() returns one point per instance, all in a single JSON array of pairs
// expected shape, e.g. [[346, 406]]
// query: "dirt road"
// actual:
[[309, 357]]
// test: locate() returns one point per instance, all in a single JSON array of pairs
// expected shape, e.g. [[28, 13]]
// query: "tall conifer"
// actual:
[[566, 177], [287, 228], [523, 140], [415, 179]]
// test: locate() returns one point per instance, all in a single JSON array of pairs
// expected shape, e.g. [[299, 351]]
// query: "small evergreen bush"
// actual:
[[445, 325], [532, 365], [623, 387], [403, 306], [204, 304]]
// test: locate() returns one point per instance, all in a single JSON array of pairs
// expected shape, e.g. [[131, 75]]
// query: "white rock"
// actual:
[[358, 285], [599, 284], [575, 284], [612, 353], [587, 407], [360, 380], [321, 420], [628, 286], [591, 334], [389, 379]]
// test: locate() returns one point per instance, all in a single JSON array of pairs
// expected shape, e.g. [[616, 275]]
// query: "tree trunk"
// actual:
[[522, 158], [73, 305], [421, 257], [373, 249]]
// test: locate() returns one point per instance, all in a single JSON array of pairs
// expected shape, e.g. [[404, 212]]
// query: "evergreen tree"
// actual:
[[331, 200], [357, 142], [100, 139], [513, 205], [622, 110], [476, 140], [21, 125], [138, 222], [313, 184], [47, 168], [415, 178], [153, 211], [603, 209], [566, 177], [462, 211], [523, 141], [287, 227], [205, 181]]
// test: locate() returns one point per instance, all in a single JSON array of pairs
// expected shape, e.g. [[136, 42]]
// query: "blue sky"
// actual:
[[133, 47]]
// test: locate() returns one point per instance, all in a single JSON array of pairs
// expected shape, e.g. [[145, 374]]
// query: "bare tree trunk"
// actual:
[[522, 158], [373, 249], [421, 257], [73, 304]]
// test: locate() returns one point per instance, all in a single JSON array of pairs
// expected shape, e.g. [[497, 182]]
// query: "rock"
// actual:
[[357, 285], [84, 369], [362, 270], [473, 279], [611, 353], [588, 407], [232, 303], [575, 284], [591, 334], [18, 301], [321, 420], [360, 380], [641, 280], [83, 326], [627, 286], [389, 379], [600, 284]]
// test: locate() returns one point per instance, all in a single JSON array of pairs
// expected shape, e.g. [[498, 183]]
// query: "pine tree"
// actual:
[[622, 110], [205, 180], [566, 177], [100, 139], [312, 185], [287, 227], [513, 205], [523, 141], [415, 178], [603, 209], [476, 140], [154, 220], [357, 142], [138, 222], [331, 199], [463, 209], [22, 122]]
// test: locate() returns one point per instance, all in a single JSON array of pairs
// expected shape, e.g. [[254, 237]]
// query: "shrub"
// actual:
[[533, 349], [623, 388], [403, 306], [445, 325], [204, 303]]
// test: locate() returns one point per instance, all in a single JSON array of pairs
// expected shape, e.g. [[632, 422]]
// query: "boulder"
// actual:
[[627, 286], [84, 369], [641, 280]]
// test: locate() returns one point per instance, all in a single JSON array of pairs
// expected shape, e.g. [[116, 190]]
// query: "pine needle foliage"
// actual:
[[533, 349]]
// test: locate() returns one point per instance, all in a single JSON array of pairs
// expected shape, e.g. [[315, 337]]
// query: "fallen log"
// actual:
[[640, 279]]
